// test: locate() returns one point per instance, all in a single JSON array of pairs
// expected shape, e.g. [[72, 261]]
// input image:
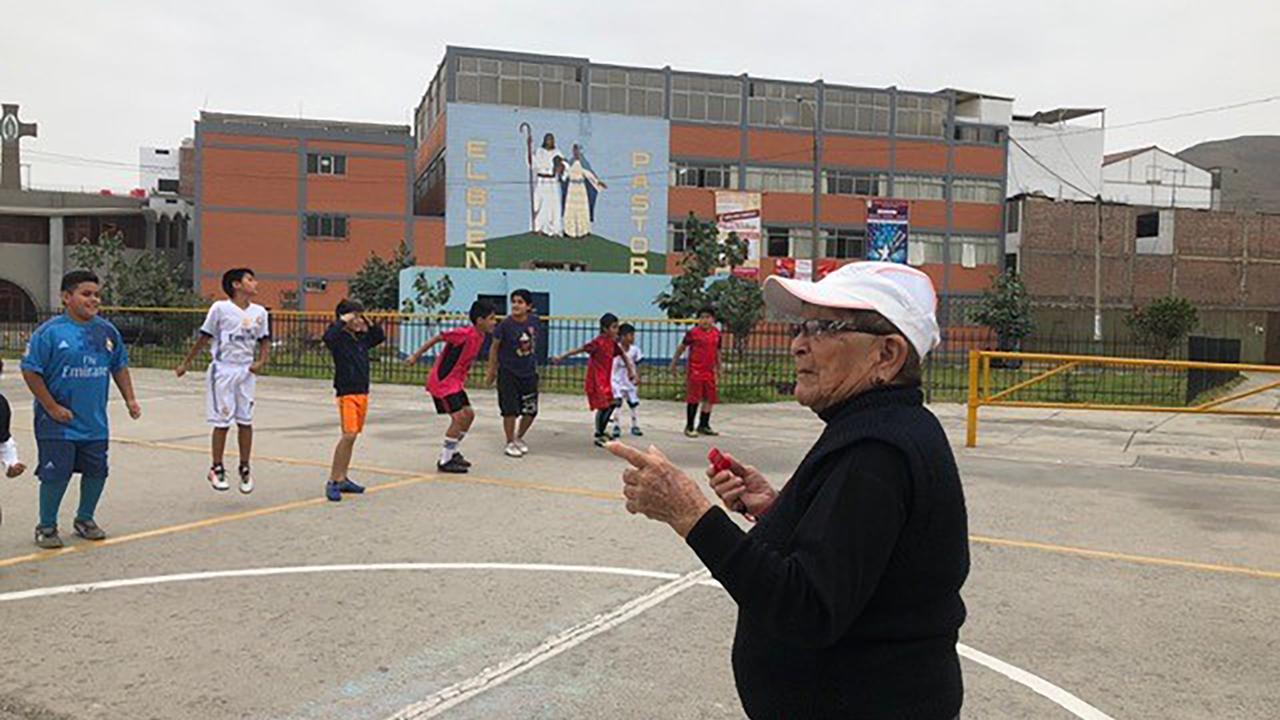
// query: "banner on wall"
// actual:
[[804, 269], [739, 212], [887, 230], [551, 189]]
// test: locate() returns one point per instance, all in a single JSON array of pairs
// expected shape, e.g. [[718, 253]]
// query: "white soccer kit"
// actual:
[[234, 336], [623, 388]]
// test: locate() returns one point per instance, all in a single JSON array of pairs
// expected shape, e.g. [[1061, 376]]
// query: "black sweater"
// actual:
[[351, 357], [848, 589]]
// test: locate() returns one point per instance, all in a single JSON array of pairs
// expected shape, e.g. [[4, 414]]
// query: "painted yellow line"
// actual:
[[1126, 557]]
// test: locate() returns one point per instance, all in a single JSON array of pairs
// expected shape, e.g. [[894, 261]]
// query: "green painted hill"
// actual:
[[515, 251]]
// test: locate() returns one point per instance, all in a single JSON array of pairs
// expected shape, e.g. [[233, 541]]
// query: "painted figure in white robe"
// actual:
[[548, 164], [579, 203]]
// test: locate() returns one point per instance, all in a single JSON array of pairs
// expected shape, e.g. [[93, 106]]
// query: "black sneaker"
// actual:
[[706, 430], [690, 432], [453, 466], [463, 462], [601, 440], [89, 530], [47, 538]]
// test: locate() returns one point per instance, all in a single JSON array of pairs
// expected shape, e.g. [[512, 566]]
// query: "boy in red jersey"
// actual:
[[448, 378], [703, 344], [599, 385]]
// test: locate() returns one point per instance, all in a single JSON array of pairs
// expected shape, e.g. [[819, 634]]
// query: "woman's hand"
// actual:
[[742, 488], [659, 490]]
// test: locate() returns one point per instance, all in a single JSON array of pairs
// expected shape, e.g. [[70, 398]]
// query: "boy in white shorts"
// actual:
[[623, 388], [239, 332]]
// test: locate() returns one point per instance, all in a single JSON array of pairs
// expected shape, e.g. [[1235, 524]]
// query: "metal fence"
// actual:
[[756, 367]]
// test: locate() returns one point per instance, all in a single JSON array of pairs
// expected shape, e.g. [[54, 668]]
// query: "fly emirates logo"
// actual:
[[87, 369]]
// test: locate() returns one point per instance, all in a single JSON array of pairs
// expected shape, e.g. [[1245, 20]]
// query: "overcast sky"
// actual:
[[104, 78]]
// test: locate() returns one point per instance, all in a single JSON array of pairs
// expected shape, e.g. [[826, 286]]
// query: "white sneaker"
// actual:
[[218, 478], [513, 450], [246, 480], [524, 449]]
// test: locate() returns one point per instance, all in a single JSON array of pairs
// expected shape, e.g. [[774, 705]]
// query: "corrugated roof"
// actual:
[[1057, 115], [1126, 154]]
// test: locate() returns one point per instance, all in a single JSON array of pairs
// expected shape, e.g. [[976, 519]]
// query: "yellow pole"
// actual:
[[971, 428]]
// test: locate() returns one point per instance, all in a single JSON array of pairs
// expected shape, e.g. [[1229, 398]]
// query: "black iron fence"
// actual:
[[756, 367]]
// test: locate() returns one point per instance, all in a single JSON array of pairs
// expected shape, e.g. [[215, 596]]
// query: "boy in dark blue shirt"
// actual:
[[349, 339], [67, 366]]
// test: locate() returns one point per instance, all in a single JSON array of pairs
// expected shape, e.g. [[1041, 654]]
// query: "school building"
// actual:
[[537, 162]]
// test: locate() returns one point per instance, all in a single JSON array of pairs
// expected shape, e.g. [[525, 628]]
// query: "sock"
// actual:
[[635, 415], [705, 420], [50, 500], [690, 413], [90, 492], [602, 421], [450, 449]]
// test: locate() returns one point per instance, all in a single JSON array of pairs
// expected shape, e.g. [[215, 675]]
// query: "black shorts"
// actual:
[[517, 395], [59, 459], [451, 404]]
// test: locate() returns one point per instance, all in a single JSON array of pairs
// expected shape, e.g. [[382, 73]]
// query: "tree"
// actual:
[[146, 280], [377, 284], [428, 296], [1006, 309], [1163, 324], [739, 305], [704, 255]]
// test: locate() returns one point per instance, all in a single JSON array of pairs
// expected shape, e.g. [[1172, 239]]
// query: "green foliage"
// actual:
[[1006, 308], [428, 296], [145, 280], [739, 305], [377, 284], [1163, 324], [704, 255]]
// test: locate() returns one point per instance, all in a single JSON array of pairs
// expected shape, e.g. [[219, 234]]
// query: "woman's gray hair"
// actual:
[[912, 372]]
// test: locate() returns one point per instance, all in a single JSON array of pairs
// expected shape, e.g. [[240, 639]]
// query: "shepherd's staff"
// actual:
[[528, 141]]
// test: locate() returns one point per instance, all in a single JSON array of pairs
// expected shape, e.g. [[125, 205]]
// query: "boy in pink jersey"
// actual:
[[448, 379]]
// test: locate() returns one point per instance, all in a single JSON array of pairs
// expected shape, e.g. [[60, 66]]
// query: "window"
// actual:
[[973, 250], [778, 240], [1148, 225], [779, 105], [856, 111], [717, 100], [770, 179], [982, 135], [318, 164], [702, 175], [314, 285], [165, 185], [627, 92], [850, 243], [326, 226], [676, 238], [1013, 217], [923, 116], [850, 182], [919, 187], [432, 104], [926, 249], [527, 84], [1011, 262], [977, 191]]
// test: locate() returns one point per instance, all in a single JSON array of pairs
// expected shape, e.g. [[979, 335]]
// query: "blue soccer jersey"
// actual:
[[76, 361]]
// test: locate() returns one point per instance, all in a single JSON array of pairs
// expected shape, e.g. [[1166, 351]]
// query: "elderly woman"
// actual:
[[848, 586]]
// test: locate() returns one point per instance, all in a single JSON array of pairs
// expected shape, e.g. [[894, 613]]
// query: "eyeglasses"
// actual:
[[821, 328]]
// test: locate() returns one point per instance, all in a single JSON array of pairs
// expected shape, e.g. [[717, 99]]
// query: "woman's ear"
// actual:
[[893, 356]]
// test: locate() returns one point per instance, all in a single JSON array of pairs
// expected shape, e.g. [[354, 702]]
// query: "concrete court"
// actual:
[[1130, 561]]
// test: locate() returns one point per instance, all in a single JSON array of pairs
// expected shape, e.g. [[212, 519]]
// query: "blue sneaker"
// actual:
[[347, 486], [332, 492], [635, 430]]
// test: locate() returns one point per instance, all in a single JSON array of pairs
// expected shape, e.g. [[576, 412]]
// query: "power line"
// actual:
[[1165, 118], [1050, 170]]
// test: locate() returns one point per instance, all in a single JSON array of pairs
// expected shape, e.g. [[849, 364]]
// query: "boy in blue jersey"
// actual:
[[66, 366]]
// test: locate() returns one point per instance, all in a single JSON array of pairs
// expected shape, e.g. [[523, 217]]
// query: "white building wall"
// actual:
[[156, 164], [1071, 151], [1158, 179]]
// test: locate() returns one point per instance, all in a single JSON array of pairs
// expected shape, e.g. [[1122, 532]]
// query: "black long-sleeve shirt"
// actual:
[[6, 415], [351, 356], [848, 589]]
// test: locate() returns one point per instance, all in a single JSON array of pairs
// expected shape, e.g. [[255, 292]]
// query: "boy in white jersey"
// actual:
[[623, 388], [240, 334]]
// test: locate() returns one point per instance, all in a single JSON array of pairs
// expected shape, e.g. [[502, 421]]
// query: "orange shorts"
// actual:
[[352, 409]]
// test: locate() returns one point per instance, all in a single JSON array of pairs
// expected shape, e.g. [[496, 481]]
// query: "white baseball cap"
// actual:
[[902, 294]]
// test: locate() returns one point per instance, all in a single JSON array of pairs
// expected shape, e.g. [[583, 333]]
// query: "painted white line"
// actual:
[[1039, 685], [460, 692], [495, 675]]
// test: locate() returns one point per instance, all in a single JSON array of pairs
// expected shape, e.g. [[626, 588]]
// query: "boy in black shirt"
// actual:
[[513, 361], [349, 339]]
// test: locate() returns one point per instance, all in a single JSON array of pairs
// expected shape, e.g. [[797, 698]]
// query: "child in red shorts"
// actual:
[[599, 384], [703, 344], [448, 378]]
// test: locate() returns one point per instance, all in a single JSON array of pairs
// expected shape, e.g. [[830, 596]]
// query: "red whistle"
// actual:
[[718, 461]]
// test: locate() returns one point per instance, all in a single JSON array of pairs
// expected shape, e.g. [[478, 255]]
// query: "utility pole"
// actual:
[[1097, 273], [814, 252]]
